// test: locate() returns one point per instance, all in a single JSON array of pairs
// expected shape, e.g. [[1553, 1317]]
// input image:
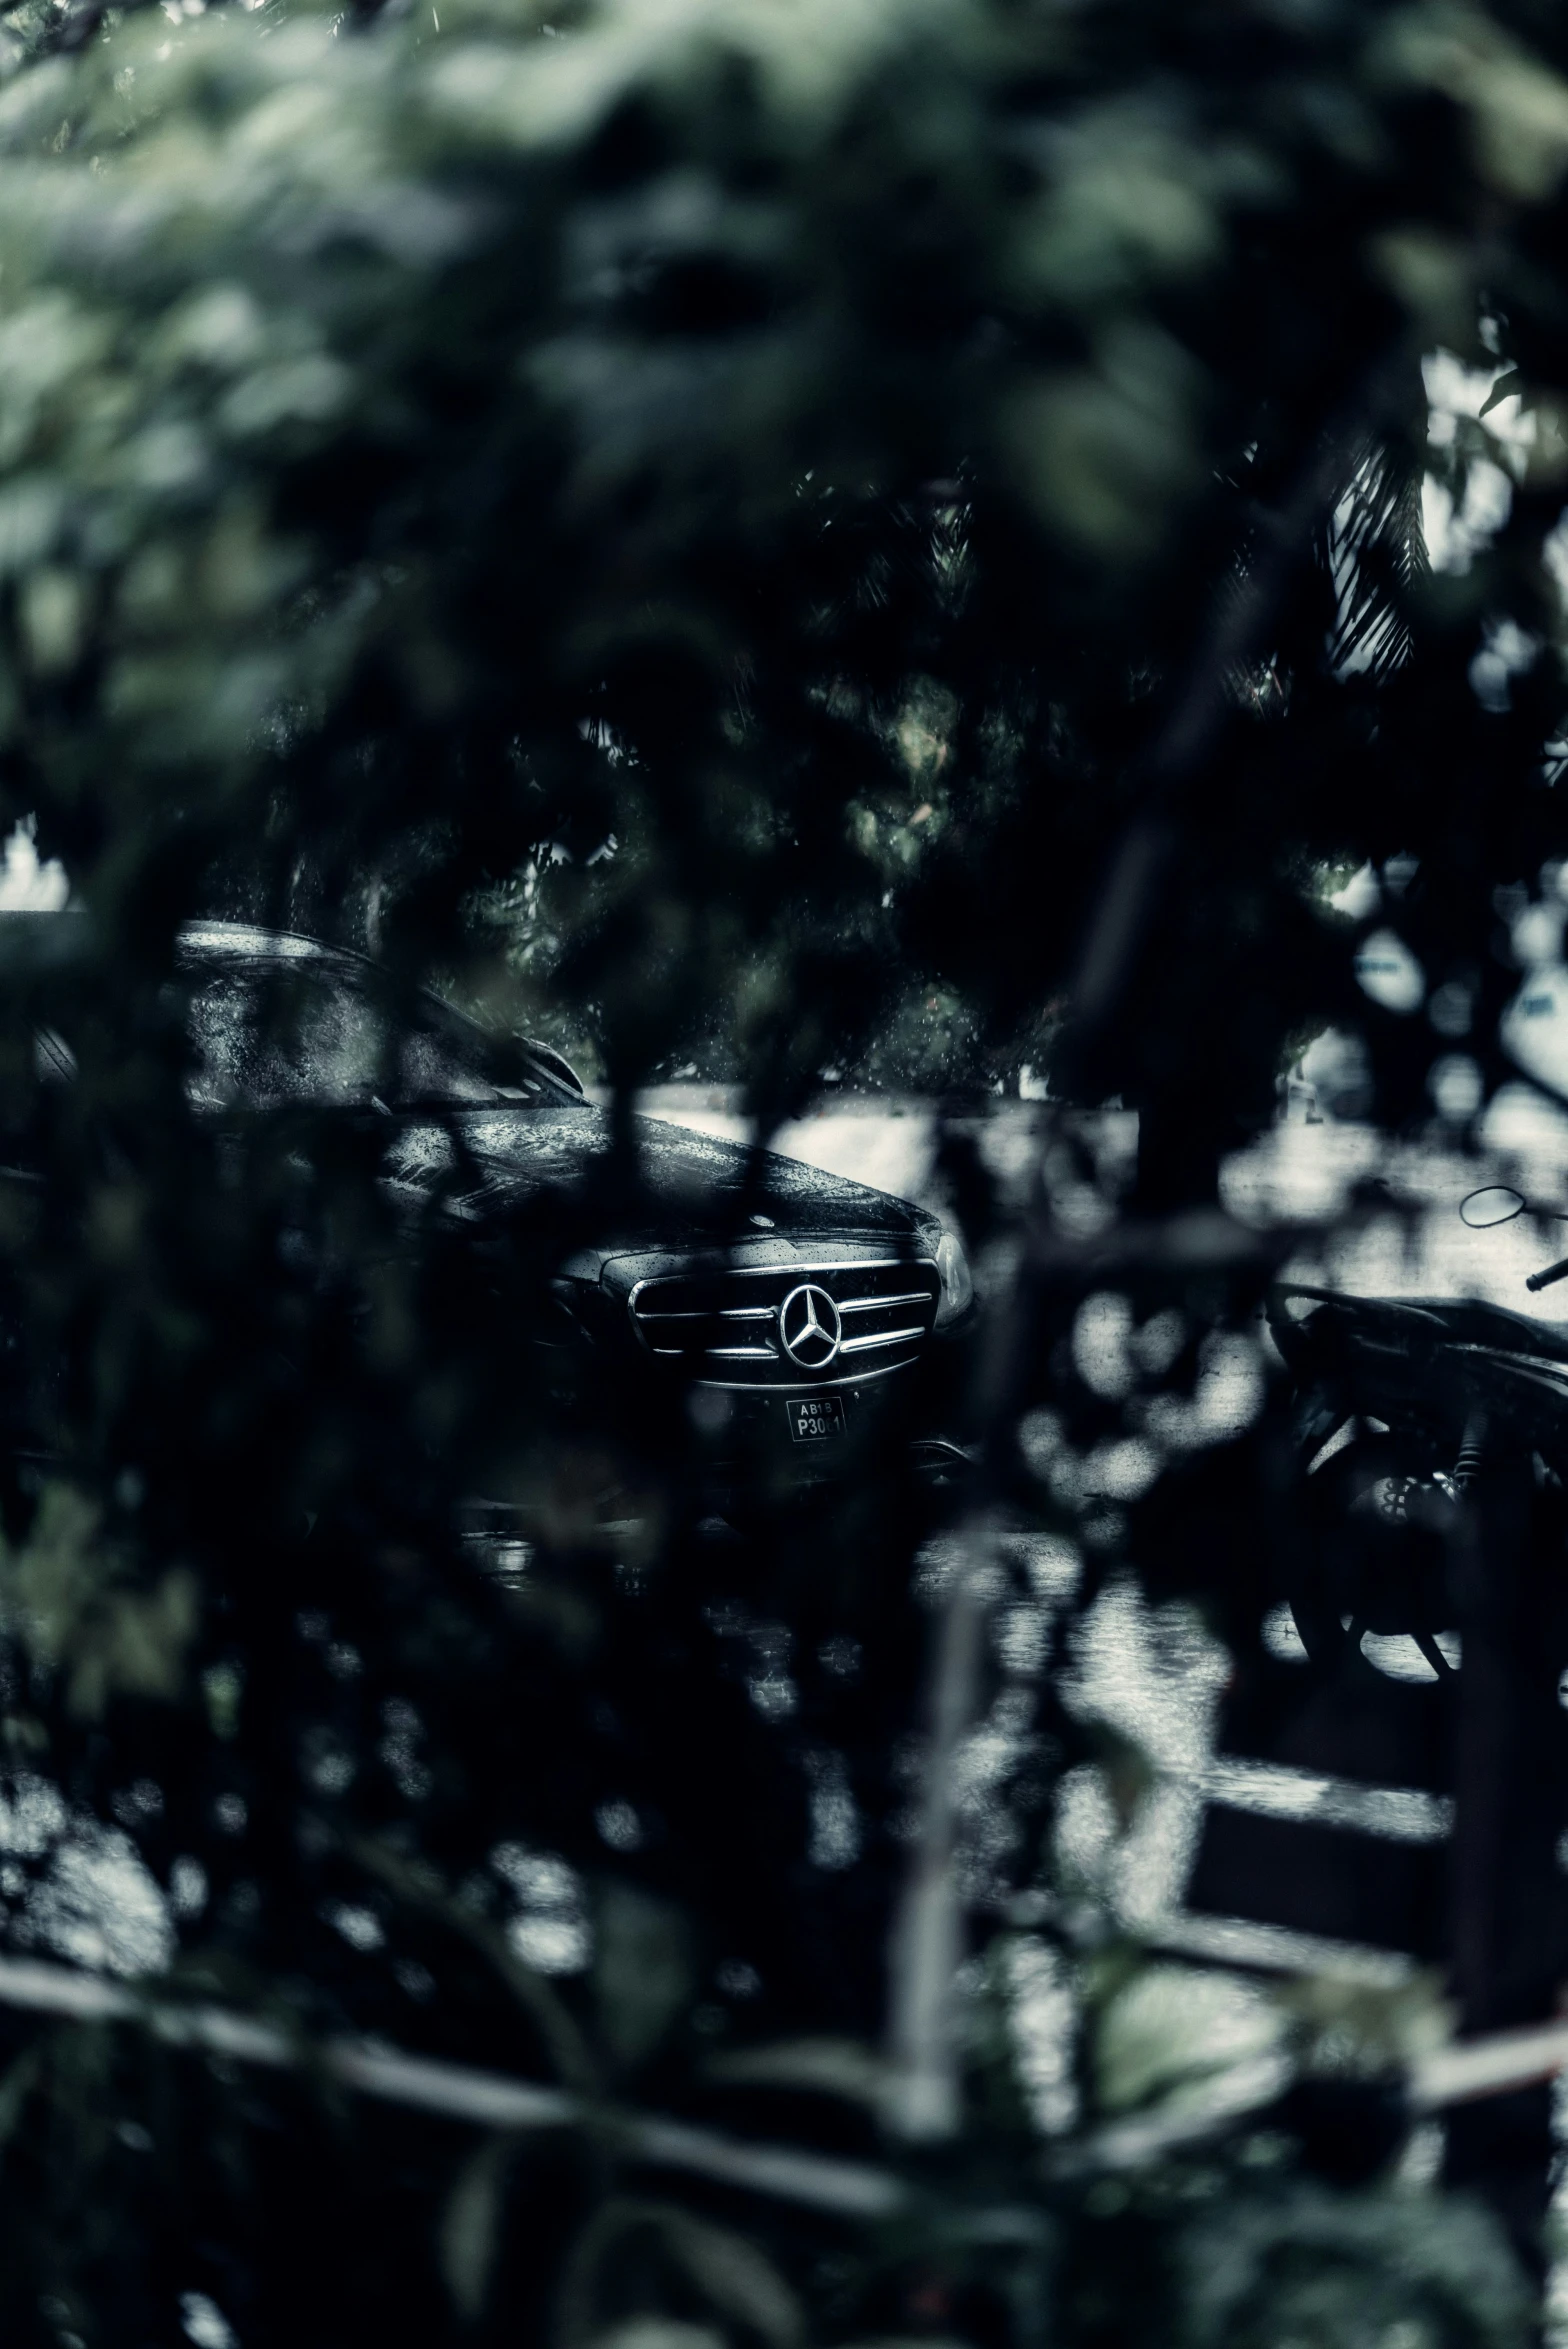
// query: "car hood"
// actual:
[[697, 1189]]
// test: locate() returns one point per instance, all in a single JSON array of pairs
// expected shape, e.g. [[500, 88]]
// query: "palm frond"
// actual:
[[1375, 551]]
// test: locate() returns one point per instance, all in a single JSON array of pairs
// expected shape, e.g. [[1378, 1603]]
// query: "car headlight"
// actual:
[[952, 1267]]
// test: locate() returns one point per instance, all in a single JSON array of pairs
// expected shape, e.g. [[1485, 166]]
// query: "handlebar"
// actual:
[[1544, 1280]]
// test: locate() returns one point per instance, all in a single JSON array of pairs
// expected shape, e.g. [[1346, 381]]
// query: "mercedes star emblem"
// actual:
[[810, 1327]]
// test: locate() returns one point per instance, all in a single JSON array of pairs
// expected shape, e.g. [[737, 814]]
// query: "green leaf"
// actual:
[[658, 2332], [664, 2253], [1171, 2031], [471, 2223], [642, 1969], [827, 2067], [419, 1885]]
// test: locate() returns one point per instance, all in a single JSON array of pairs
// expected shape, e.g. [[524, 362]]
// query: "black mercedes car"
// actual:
[[782, 1301]]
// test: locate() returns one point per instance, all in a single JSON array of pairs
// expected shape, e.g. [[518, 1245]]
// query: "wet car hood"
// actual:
[[698, 1189]]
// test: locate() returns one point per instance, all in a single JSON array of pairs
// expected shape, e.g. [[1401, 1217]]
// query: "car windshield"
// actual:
[[268, 1033]]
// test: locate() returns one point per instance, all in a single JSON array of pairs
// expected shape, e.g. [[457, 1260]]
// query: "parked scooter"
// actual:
[[1399, 1406]]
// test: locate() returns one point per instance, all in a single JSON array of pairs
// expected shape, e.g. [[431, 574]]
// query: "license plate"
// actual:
[[817, 1419]]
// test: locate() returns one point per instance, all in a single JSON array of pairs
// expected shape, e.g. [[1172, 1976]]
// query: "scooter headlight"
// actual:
[[953, 1272]]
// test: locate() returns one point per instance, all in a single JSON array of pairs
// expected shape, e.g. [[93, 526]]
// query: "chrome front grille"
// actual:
[[723, 1326]]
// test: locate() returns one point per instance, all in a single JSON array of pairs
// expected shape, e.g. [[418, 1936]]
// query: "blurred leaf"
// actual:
[[657, 2332], [1365, 2029], [1105, 455], [829, 2067], [1519, 105], [1172, 2030], [642, 1972], [649, 2246], [1326, 2265], [68, 1590], [471, 2225], [418, 1884]]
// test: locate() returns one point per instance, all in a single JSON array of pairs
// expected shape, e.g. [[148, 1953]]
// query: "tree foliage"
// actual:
[[736, 531]]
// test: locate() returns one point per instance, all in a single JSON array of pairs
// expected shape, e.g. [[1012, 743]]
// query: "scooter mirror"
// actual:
[[1495, 1203]]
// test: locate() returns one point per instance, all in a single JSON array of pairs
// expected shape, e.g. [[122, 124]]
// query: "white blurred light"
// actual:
[[26, 885], [1533, 1030], [203, 2321], [1101, 1335], [1281, 1639], [1389, 972], [1455, 1086], [1359, 896]]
